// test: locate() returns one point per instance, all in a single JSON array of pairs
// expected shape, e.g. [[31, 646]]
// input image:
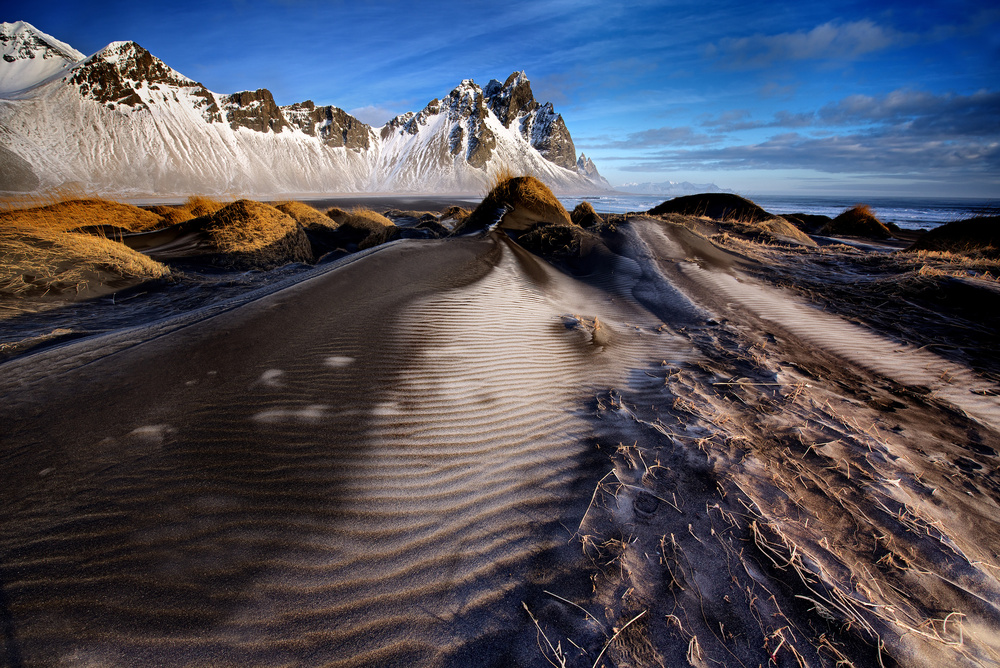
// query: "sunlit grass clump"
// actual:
[[38, 261], [255, 235], [516, 203], [82, 213]]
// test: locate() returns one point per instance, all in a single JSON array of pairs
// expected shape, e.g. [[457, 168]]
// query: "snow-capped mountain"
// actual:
[[586, 166], [122, 121], [672, 188], [31, 57]]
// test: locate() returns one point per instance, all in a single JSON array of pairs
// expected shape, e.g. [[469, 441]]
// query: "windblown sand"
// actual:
[[452, 453]]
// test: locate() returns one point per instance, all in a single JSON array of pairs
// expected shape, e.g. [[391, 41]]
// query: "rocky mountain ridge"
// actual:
[[122, 121]]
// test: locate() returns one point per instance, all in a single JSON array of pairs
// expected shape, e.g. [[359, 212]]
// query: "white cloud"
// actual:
[[373, 115], [829, 41]]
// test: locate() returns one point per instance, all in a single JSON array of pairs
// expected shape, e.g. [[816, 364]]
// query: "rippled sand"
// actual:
[[453, 453]]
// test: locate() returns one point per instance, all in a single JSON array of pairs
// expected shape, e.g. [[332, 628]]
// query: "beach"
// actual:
[[679, 445]]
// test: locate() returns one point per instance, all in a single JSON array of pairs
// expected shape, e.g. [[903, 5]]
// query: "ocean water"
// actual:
[[909, 213]]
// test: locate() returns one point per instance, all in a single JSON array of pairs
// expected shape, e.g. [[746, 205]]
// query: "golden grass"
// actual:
[[368, 219], [455, 213], [305, 215], [74, 214], [196, 206], [35, 261], [246, 226], [858, 221], [337, 215], [581, 210], [516, 203]]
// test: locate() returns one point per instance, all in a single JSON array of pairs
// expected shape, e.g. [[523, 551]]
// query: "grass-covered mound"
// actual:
[[858, 221], [975, 236], [585, 216], [717, 206], [365, 228], [777, 230], [337, 215], [196, 206], [320, 229], [456, 213], [556, 241], [808, 222], [253, 235], [515, 203], [74, 214], [305, 215], [35, 261]]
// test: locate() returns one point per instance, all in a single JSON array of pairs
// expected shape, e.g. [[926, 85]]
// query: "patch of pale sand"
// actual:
[[469, 456], [905, 364], [412, 474]]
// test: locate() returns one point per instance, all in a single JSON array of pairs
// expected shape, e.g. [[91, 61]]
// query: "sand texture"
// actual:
[[456, 453]]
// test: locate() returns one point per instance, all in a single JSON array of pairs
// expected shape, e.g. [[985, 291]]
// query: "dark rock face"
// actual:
[[511, 99], [539, 123], [334, 126], [512, 103], [113, 76], [548, 134], [254, 110], [27, 45]]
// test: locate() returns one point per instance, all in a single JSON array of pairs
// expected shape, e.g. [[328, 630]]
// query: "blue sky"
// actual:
[[841, 98]]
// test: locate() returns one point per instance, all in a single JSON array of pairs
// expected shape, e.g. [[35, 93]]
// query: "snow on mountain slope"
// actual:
[[457, 144], [28, 57], [122, 121]]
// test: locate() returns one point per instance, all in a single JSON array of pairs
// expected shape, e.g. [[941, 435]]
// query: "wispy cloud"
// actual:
[[832, 40], [653, 138], [903, 132], [373, 115]]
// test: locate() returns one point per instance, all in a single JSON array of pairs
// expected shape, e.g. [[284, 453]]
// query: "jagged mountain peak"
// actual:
[[129, 61], [334, 126], [29, 57], [512, 98], [124, 75], [122, 120], [21, 39]]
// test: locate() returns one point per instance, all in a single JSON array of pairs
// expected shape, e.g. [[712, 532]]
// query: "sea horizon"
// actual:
[[910, 213]]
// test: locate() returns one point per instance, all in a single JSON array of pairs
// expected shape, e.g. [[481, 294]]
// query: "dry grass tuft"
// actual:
[[858, 221], [337, 214], [305, 215], [362, 218], [36, 261], [975, 237], [585, 216], [717, 206], [195, 207], [74, 214], [516, 203], [367, 228], [256, 235]]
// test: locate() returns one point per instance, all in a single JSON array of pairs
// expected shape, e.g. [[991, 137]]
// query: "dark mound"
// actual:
[[973, 236], [717, 206], [363, 228], [243, 235], [858, 221], [808, 223], [585, 216], [556, 241], [337, 215], [516, 203]]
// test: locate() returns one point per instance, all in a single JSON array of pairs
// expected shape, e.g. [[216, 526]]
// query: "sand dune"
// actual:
[[452, 453]]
